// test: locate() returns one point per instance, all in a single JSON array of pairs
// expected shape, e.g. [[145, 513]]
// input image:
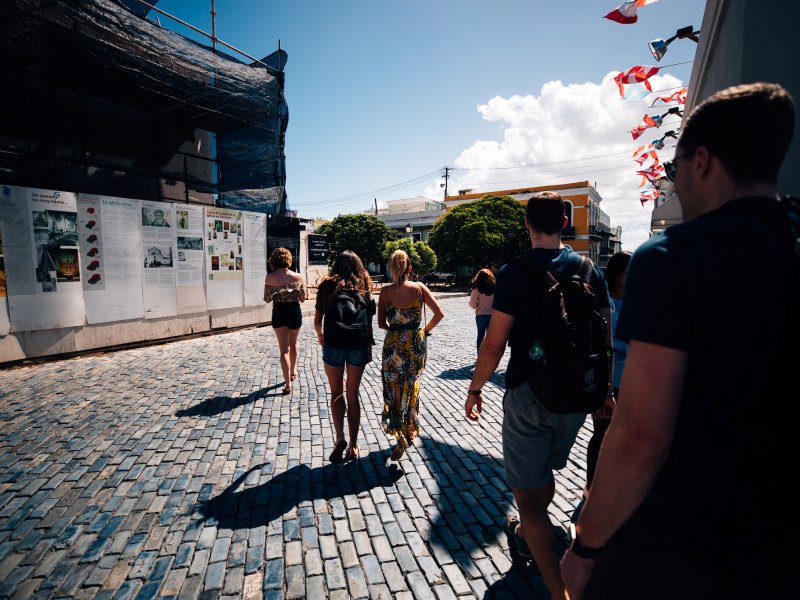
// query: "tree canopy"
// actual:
[[423, 258], [489, 231], [366, 235]]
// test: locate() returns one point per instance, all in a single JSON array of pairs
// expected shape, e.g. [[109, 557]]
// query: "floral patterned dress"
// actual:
[[404, 352]]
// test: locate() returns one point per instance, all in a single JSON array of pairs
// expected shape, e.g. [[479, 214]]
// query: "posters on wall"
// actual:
[[158, 259], [255, 258], [40, 239], [110, 272], [224, 257], [5, 324], [190, 247]]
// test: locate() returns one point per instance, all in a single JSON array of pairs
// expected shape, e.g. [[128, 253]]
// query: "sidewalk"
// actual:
[[180, 470]]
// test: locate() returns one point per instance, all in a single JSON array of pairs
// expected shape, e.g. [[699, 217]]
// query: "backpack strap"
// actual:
[[585, 270]]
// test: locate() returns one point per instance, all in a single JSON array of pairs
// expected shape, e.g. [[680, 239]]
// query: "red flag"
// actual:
[[625, 13], [679, 97], [645, 196], [640, 128], [636, 74]]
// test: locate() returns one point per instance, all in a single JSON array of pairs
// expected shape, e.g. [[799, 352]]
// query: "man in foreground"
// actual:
[[687, 497]]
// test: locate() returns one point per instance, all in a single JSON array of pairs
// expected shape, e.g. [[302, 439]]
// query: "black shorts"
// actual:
[[287, 314]]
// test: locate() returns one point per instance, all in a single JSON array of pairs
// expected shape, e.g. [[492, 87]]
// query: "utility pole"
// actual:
[[446, 175]]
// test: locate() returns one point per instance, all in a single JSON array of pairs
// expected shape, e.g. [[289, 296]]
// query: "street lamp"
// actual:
[[659, 47], [409, 229]]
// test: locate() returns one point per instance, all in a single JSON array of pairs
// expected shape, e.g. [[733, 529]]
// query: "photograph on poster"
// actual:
[[49, 282], [211, 248], [181, 256], [56, 236], [154, 217], [215, 263], [217, 225], [223, 261], [157, 257], [238, 263], [225, 234], [190, 243], [226, 226], [182, 217]]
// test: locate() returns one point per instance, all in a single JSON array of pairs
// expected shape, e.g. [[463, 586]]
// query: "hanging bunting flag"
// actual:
[[679, 97], [658, 144], [639, 149], [658, 120], [636, 74], [647, 122], [646, 156], [625, 13], [647, 196]]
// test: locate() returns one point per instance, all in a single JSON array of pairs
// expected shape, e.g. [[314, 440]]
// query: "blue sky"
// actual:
[[382, 93]]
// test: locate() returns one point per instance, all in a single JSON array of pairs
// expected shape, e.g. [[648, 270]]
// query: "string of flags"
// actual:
[[646, 157]]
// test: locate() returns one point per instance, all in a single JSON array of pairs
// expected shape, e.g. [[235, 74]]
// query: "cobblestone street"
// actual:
[[179, 470]]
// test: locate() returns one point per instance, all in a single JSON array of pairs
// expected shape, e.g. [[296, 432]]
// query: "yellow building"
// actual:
[[589, 230]]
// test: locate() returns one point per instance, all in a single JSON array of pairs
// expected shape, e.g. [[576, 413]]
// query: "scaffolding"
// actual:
[[99, 98]]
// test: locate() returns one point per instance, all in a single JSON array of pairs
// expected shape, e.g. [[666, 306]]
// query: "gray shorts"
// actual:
[[535, 441]]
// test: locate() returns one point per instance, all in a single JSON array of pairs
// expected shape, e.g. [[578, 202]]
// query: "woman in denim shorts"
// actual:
[[347, 272]]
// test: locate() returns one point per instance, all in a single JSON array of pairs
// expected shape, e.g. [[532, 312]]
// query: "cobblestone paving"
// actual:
[[180, 471]]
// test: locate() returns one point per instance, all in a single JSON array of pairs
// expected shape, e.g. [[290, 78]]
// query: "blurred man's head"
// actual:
[[748, 127], [732, 144]]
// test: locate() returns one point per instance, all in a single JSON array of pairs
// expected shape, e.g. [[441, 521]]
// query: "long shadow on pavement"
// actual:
[[466, 520], [465, 373], [220, 404]]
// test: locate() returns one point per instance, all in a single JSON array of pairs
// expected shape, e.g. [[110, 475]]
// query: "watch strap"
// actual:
[[580, 550], [475, 392]]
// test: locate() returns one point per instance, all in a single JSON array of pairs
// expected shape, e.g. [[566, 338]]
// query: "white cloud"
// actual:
[[585, 130]]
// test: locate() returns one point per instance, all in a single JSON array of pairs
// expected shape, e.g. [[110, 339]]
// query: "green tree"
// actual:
[[423, 258], [489, 231], [366, 235]]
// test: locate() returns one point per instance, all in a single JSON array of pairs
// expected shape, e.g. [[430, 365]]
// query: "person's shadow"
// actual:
[[465, 373], [471, 502], [259, 505], [220, 404]]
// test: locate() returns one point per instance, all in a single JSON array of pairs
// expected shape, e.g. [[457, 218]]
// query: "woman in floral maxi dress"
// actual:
[[400, 312]]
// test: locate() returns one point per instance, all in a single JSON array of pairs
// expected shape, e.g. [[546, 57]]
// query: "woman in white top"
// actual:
[[481, 300]]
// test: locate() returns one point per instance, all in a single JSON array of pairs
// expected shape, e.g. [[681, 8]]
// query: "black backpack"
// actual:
[[348, 320], [569, 359]]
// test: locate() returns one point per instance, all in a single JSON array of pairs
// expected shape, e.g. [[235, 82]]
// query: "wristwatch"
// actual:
[[581, 550], [474, 392]]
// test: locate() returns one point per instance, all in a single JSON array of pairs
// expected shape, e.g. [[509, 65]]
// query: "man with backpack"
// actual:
[[551, 306], [688, 497]]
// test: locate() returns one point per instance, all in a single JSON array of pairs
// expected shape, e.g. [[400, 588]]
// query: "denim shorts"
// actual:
[[337, 357], [535, 441]]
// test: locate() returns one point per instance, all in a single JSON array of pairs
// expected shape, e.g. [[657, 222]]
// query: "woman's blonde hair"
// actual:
[[281, 258], [399, 266]]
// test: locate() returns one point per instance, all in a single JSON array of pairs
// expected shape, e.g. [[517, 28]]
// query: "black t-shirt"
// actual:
[[717, 289], [519, 294]]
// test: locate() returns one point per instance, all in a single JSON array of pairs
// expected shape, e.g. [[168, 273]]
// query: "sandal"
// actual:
[[397, 453], [352, 452], [338, 449], [287, 389]]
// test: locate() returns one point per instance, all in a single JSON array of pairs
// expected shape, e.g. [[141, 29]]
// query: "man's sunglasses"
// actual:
[[671, 166]]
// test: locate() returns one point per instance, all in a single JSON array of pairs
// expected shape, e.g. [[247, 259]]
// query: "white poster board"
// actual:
[[111, 271], [43, 275], [190, 263], [224, 257], [5, 324], [255, 258], [158, 259]]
